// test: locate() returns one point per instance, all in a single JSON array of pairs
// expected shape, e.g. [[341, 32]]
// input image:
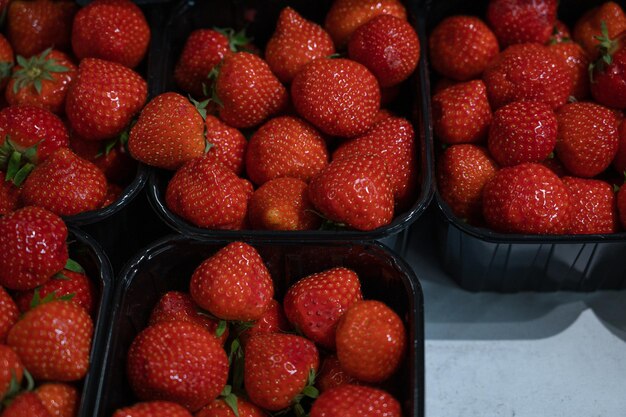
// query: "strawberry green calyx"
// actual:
[[201, 106], [607, 48], [50, 297], [15, 388], [308, 392], [5, 69], [17, 163], [212, 91], [36, 69], [236, 40], [230, 399], [72, 265], [122, 139]]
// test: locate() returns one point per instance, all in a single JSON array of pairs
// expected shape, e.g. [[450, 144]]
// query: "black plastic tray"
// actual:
[[184, 17], [168, 264], [479, 259]]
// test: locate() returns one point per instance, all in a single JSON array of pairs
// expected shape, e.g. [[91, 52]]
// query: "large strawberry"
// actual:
[[608, 81], [61, 400], [577, 60], [339, 96], [103, 98], [520, 21], [295, 42], [114, 30], [593, 206], [589, 27], [153, 409], [9, 195], [187, 351], [228, 143], [220, 408], [278, 368], [9, 314], [32, 247], [6, 61], [332, 375], [54, 340], [26, 404], [233, 284], [11, 370], [356, 401]]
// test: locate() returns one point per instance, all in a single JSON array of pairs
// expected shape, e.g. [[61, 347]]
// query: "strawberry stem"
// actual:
[[235, 39]]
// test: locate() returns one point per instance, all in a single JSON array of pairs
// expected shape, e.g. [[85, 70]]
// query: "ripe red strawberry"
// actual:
[[527, 198], [8, 315], [555, 166], [208, 194], [233, 284], [114, 30], [228, 143], [33, 26], [219, 408], [9, 196], [277, 368], [113, 194], [11, 369], [41, 80], [65, 184], [608, 81], [462, 172], [461, 47], [32, 247], [589, 26], [388, 46], [355, 191], [332, 375], [588, 139], [520, 21], [295, 42], [522, 131], [6, 61], [272, 321], [153, 409], [169, 132], [247, 91], [371, 340], [61, 400], [26, 404], [103, 98], [621, 206], [178, 306], [184, 350], [619, 162], [593, 206], [527, 72], [54, 340], [577, 60], [345, 16], [356, 401], [282, 204], [338, 96], [112, 158], [285, 147], [315, 304], [560, 33], [461, 113]]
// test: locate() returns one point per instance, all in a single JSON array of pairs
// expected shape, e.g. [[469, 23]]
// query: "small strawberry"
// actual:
[[608, 81], [356, 401], [593, 206], [9, 196], [219, 408], [285, 147], [6, 61], [589, 26], [169, 132], [461, 47], [61, 400], [113, 30], [113, 194], [208, 194], [26, 404], [577, 60], [619, 162], [345, 16], [32, 247], [295, 42], [272, 321], [65, 184], [521, 21], [228, 143], [621, 205], [9, 314], [184, 350], [332, 375], [356, 191], [371, 340], [111, 157], [527, 198], [11, 370], [54, 340], [153, 409], [103, 98], [278, 368], [588, 138], [315, 304], [560, 33]]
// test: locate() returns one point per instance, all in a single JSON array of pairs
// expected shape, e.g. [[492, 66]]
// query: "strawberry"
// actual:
[[555, 166], [619, 162], [208, 194], [32, 247], [282, 204], [593, 206], [11, 370], [178, 306], [53, 340], [246, 91], [338, 96], [315, 304], [345, 16], [9, 314], [332, 375], [560, 34], [608, 81], [26, 404], [272, 321], [371, 340], [589, 26], [587, 139], [521, 21], [233, 284], [285, 147], [228, 143], [461, 47], [462, 172], [295, 42], [461, 113], [169, 132], [153, 409], [6, 61], [356, 401], [621, 206], [278, 368], [112, 157], [9, 196], [61, 400], [527, 72], [388, 46], [113, 30], [577, 60], [187, 351], [527, 198], [219, 408], [522, 131], [113, 194], [103, 98], [33, 26], [65, 184], [356, 191]]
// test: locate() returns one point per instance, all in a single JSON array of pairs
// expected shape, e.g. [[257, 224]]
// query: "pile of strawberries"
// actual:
[[320, 148], [531, 116], [325, 350], [46, 308], [69, 95]]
